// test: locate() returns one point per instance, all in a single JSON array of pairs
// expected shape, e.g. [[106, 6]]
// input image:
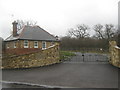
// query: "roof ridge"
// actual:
[[22, 31], [8, 36], [46, 31]]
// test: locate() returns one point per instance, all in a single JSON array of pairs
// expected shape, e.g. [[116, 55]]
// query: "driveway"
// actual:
[[72, 73]]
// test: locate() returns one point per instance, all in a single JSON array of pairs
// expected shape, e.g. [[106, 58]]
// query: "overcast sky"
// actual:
[[57, 16]]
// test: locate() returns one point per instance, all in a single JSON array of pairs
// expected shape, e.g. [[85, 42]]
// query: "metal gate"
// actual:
[[88, 57]]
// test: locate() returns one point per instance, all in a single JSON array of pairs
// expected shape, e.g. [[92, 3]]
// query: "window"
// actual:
[[35, 44], [15, 46], [25, 43], [43, 44]]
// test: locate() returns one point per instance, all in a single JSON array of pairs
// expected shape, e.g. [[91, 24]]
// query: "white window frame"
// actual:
[[43, 46], [26, 46], [36, 44], [15, 46]]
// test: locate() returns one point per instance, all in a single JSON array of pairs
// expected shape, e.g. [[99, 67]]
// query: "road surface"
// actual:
[[73, 73]]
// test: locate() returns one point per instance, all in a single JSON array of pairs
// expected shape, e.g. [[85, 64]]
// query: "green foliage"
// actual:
[[66, 54]]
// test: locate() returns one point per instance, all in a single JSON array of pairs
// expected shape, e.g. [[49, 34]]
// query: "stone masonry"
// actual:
[[114, 54], [35, 59]]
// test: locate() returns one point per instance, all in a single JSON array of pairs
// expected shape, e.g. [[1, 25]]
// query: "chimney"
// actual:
[[15, 28]]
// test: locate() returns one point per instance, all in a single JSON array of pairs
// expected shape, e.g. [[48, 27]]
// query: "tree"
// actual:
[[99, 33], [109, 31], [104, 32], [22, 23], [81, 31]]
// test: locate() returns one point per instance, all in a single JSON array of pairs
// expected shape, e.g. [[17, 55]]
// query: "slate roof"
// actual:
[[33, 33]]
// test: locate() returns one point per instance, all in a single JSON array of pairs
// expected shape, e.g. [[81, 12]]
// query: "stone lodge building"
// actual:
[[28, 39]]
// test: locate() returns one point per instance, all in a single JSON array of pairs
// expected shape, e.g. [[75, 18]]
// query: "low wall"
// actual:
[[114, 54], [39, 58]]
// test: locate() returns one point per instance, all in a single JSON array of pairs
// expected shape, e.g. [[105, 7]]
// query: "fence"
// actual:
[[77, 57]]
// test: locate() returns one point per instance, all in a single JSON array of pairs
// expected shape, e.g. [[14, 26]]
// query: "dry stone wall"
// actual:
[[114, 54], [36, 59]]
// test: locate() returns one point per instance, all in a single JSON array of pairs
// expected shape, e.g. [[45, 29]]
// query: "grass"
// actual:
[[90, 51], [64, 55], [98, 52]]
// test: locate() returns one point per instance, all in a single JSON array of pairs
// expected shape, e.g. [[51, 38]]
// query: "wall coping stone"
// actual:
[[48, 47], [117, 47]]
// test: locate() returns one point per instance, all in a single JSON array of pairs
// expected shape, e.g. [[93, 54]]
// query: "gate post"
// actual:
[[83, 57]]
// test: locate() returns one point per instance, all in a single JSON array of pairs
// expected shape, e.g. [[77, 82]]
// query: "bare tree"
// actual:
[[81, 31], [109, 31], [22, 23], [104, 32], [99, 33]]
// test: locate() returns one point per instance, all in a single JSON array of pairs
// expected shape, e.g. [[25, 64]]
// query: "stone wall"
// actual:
[[35, 59], [114, 54]]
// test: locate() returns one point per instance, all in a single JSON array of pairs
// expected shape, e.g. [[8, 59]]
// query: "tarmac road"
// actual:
[[68, 74]]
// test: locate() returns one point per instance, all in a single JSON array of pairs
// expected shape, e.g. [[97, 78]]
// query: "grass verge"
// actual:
[[64, 55]]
